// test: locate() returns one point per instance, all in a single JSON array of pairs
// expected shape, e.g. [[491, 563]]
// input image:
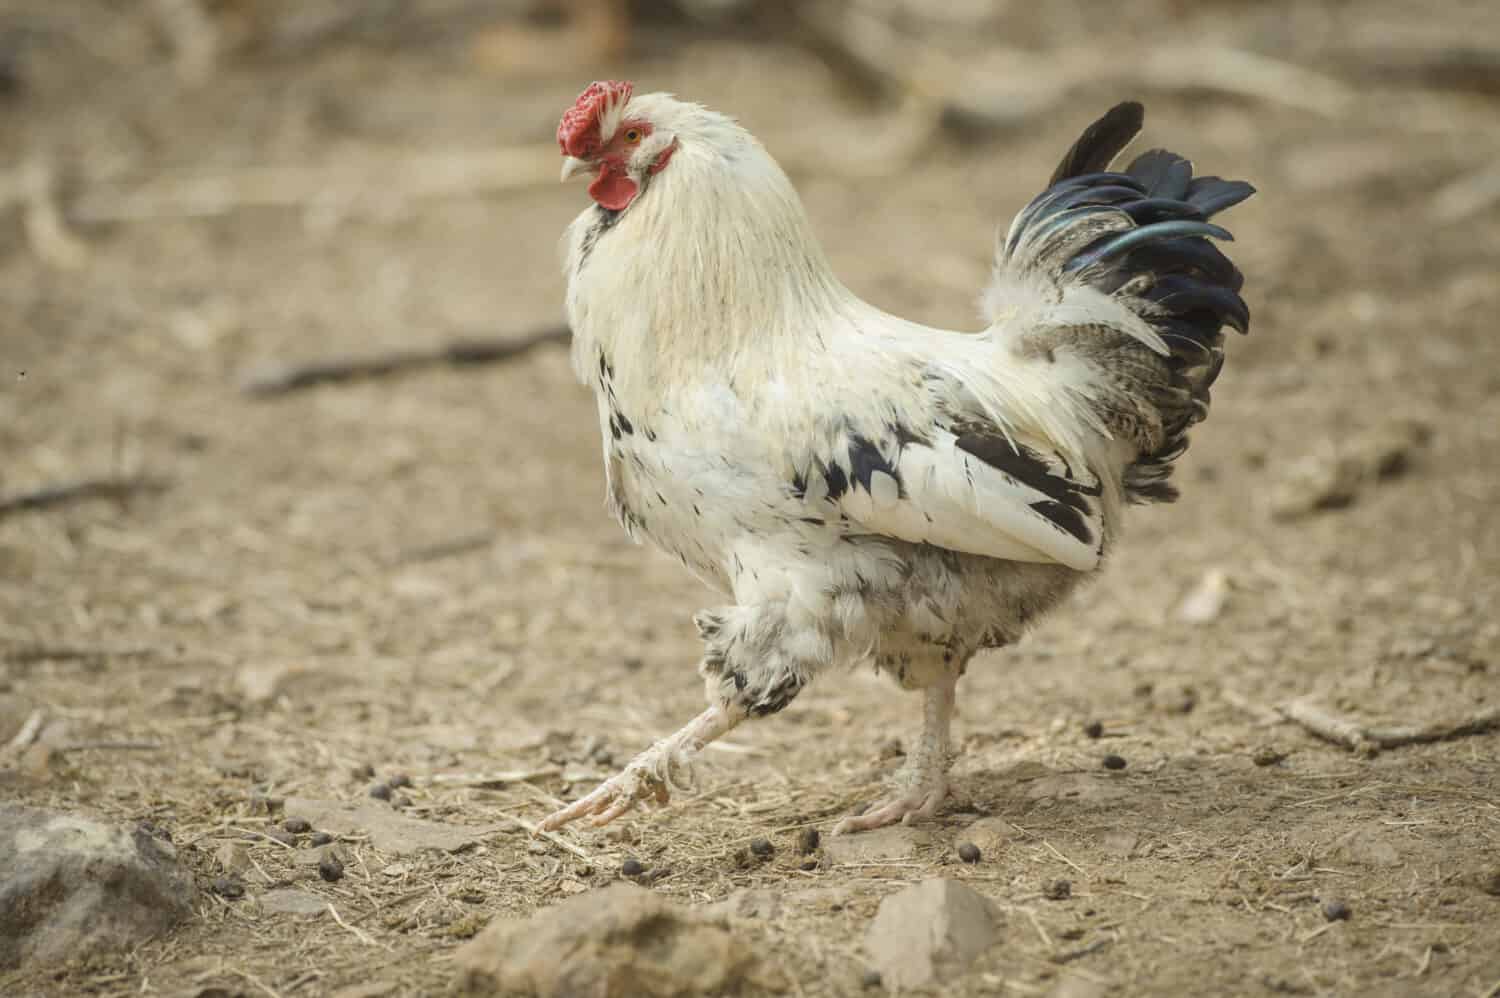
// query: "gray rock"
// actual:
[[622, 941], [749, 902], [389, 830], [929, 933], [69, 885], [291, 901], [877, 845]]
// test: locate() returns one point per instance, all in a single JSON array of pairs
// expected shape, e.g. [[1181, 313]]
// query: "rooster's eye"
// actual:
[[632, 135]]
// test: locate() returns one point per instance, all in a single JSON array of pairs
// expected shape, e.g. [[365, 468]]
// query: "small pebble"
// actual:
[[401, 800], [1490, 882], [297, 825], [762, 848], [807, 841], [1267, 756], [1113, 761], [632, 867], [968, 852], [330, 869], [284, 837], [320, 838], [398, 781], [380, 792], [1336, 911], [870, 978], [1094, 729], [1057, 890], [364, 771], [228, 887], [809, 865]]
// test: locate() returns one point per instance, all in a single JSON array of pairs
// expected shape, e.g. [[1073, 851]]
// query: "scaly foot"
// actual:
[[639, 781], [925, 793], [650, 776]]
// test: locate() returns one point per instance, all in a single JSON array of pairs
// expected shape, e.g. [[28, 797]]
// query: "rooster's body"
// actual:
[[858, 486]]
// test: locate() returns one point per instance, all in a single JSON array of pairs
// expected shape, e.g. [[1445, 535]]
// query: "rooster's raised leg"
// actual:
[[922, 783], [653, 774]]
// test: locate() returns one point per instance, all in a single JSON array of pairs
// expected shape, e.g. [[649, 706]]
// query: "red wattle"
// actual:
[[613, 189]]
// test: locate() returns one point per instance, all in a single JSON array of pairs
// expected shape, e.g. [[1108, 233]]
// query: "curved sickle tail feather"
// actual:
[[1141, 236]]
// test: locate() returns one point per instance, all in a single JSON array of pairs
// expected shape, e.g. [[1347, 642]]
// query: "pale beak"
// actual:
[[572, 166]]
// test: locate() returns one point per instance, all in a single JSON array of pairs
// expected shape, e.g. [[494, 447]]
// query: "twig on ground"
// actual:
[[494, 778], [28, 733], [359, 934], [462, 544], [47, 496], [112, 747], [1069, 956], [370, 184], [1352, 735], [271, 381], [32, 187], [1468, 195], [534, 830]]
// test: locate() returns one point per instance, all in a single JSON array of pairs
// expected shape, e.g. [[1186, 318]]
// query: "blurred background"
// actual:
[[282, 496]]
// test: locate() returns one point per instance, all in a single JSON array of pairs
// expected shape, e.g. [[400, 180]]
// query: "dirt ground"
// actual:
[[417, 574]]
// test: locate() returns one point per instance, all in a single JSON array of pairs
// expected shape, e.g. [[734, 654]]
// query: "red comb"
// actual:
[[578, 132]]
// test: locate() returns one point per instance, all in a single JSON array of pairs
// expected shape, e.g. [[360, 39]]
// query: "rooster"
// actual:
[[861, 488]]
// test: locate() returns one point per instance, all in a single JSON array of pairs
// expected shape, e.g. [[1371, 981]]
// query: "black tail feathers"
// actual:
[[1163, 266]]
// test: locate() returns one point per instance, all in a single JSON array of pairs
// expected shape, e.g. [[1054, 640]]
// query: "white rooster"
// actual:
[[860, 487]]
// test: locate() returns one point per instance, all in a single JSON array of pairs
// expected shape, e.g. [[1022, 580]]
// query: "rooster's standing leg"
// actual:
[[922, 783], [652, 774]]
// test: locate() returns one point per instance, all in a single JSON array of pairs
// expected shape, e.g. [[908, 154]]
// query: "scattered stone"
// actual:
[[929, 933], [1206, 600], [1336, 911], [1267, 755], [891, 749], [389, 831], [228, 887], [968, 852], [1334, 478], [632, 867], [1057, 890], [808, 865], [1184, 702], [297, 826], [807, 841], [762, 848], [1489, 882], [1113, 761], [1120, 842], [622, 940], [990, 836], [69, 885], [749, 902], [364, 771], [1094, 729], [398, 781], [330, 869], [284, 837], [877, 845], [232, 857], [1366, 847], [401, 801], [260, 804], [290, 901], [870, 979], [380, 791], [320, 839]]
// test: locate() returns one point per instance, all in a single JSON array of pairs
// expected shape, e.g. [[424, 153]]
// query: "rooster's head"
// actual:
[[605, 134]]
